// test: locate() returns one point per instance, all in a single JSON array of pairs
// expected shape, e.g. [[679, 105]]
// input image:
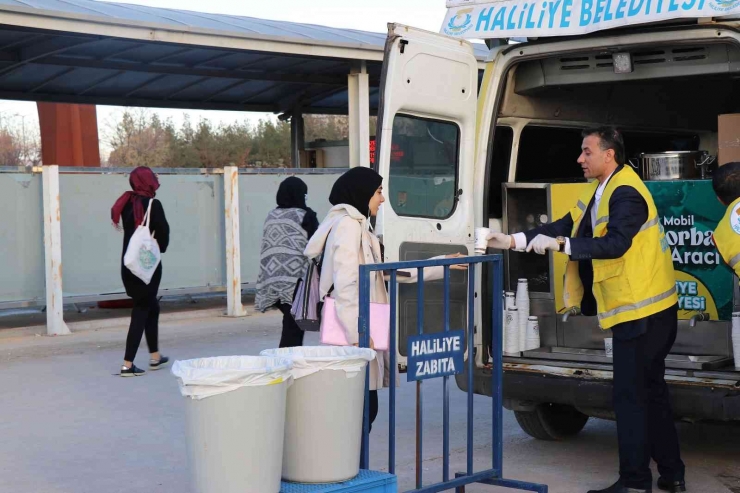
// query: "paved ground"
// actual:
[[89, 313], [68, 426]]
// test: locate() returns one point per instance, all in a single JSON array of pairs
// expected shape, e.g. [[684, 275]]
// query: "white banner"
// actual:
[[481, 19], [457, 3]]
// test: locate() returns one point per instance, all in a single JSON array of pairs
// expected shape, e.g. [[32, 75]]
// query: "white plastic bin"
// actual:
[[235, 418], [323, 423]]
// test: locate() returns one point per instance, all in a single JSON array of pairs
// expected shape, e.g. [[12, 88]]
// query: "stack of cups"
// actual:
[[511, 332], [509, 302], [503, 324], [736, 338], [533, 334], [522, 305]]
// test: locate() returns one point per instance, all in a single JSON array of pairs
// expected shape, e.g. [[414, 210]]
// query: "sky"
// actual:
[[366, 15]]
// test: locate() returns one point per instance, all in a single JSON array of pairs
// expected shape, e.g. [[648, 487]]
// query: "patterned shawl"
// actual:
[[282, 262]]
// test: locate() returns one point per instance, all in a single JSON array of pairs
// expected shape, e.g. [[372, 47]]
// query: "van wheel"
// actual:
[[551, 421]]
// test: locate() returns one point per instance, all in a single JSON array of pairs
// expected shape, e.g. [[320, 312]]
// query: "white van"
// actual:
[[458, 151]]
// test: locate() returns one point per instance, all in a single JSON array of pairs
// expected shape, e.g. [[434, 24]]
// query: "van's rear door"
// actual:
[[425, 151]]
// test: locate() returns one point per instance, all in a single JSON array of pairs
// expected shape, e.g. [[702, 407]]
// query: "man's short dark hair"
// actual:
[[726, 182], [609, 138]]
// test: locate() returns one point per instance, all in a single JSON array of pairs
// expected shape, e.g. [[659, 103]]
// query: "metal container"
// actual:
[[524, 206], [677, 165]]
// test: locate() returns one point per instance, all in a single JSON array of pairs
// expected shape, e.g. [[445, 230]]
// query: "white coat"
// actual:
[[349, 242]]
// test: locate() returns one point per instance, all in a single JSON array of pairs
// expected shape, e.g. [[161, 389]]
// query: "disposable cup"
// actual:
[[736, 338], [481, 240], [609, 347], [510, 298], [511, 329], [523, 321], [533, 334]]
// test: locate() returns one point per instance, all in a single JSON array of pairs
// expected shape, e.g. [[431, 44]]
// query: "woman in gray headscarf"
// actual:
[[285, 234]]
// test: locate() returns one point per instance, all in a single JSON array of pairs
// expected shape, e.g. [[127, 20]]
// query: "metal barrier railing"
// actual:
[[448, 347]]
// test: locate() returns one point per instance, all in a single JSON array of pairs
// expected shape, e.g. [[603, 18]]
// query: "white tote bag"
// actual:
[[142, 255]]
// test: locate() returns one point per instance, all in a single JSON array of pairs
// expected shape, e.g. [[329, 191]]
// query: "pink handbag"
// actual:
[[332, 332]]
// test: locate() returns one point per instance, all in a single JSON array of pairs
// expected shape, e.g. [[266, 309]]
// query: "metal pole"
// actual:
[[364, 333], [234, 306], [419, 401], [394, 369], [497, 281], [358, 89], [296, 137], [53, 252], [446, 386], [471, 361]]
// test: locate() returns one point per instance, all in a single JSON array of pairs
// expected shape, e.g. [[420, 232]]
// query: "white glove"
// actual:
[[541, 244], [499, 241]]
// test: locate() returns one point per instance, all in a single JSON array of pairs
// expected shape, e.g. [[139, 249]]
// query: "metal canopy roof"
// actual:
[[84, 51]]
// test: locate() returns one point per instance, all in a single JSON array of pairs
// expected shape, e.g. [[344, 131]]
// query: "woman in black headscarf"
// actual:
[[285, 234], [357, 187], [346, 239]]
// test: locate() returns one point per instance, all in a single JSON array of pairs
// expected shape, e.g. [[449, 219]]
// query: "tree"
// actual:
[[330, 127], [141, 138], [272, 143], [20, 144], [10, 149], [182, 153], [237, 141]]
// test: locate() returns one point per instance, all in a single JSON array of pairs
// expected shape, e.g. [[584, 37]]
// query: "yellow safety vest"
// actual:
[[641, 282], [727, 236]]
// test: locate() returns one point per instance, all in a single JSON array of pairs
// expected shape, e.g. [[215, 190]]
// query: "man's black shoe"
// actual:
[[672, 486], [619, 488]]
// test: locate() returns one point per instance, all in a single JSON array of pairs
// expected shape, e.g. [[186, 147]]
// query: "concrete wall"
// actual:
[[21, 238], [92, 248]]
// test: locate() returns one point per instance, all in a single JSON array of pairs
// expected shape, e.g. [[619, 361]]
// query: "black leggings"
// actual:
[[373, 407], [373, 414], [144, 320], [292, 334]]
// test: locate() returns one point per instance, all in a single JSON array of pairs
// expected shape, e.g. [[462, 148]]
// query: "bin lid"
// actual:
[[308, 360], [205, 377]]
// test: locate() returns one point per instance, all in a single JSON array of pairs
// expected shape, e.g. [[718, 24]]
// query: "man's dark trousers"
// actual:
[[645, 426]]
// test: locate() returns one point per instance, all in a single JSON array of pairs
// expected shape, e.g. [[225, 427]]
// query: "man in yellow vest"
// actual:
[[620, 270], [726, 184]]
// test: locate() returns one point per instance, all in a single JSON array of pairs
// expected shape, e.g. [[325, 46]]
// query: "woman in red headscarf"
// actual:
[[130, 208]]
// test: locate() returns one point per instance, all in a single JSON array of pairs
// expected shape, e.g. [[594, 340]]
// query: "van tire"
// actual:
[[552, 422]]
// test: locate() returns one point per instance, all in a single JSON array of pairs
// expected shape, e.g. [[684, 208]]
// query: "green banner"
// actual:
[[689, 212]]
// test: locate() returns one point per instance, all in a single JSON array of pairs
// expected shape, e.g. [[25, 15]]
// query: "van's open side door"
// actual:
[[425, 152]]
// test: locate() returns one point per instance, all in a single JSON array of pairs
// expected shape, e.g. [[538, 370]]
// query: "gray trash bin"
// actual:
[[323, 423], [235, 417]]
